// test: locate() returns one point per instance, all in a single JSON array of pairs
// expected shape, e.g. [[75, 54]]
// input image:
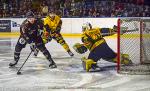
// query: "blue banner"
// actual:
[[5, 25]]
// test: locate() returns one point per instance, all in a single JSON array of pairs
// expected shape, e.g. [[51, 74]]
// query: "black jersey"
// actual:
[[40, 23], [30, 31]]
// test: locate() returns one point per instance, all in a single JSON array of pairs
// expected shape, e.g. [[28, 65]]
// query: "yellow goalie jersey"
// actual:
[[94, 37]]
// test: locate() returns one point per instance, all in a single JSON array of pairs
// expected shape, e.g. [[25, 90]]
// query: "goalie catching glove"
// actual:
[[79, 48]]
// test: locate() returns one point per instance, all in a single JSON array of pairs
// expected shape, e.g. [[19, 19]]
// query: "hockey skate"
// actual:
[[95, 67], [52, 64], [36, 51], [13, 63], [70, 53]]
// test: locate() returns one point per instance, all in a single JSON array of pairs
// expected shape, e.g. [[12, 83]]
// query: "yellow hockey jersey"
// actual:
[[51, 25], [94, 37]]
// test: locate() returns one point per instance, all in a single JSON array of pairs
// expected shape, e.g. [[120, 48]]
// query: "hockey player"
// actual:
[[29, 34], [93, 40], [52, 24]]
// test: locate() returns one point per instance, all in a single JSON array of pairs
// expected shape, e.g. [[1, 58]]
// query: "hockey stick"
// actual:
[[18, 73]]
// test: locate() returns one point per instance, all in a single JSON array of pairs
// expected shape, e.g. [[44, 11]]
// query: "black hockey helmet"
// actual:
[[31, 17], [30, 14], [115, 28]]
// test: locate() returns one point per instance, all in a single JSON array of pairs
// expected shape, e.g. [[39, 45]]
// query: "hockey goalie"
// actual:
[[93, 41]]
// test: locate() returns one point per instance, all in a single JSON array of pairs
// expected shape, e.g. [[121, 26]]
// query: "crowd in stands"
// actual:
[[76, 8]]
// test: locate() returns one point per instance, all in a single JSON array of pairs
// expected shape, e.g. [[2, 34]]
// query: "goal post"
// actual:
[[134, 40]]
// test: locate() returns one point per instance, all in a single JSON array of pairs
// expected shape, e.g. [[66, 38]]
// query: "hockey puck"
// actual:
[[18, 73]]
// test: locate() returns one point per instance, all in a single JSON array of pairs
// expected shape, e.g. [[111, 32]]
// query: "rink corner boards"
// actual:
[[65, 35]]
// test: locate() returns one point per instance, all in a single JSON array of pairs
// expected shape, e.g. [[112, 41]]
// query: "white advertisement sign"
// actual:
[[70, 25]]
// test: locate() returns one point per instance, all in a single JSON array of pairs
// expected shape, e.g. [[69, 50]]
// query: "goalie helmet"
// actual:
[[86, 26]]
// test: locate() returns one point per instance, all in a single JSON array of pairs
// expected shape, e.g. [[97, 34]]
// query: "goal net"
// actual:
[[134, 40]]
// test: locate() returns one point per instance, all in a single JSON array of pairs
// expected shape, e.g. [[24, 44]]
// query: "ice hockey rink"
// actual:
[[68, 76]]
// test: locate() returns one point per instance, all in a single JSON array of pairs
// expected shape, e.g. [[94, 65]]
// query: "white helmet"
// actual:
[[86, 26]]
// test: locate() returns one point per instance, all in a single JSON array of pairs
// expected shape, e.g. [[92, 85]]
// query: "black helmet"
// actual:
[[30, 14], [114, 27]]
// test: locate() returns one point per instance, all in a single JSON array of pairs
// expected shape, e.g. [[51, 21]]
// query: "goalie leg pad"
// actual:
[[87, 64]]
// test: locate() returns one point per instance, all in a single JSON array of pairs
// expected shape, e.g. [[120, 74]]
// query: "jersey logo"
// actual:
[[22, 41]]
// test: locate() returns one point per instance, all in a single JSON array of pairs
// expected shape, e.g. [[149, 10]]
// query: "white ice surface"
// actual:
[[36, 75]]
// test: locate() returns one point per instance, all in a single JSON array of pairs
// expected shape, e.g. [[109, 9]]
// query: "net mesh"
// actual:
[[146, 41], [135, 41]]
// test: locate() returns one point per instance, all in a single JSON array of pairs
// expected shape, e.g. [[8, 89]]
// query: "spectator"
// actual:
[[76, 8], [44, 9]]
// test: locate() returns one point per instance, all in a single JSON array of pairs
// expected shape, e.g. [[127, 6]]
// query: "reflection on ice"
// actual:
[[69, 75]]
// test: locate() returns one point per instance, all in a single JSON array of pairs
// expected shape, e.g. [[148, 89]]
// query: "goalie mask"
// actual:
[[86, 26]]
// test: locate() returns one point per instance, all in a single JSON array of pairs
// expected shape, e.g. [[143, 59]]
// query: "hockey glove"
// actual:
[[47, 36], [32, 46], [79, 48]]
